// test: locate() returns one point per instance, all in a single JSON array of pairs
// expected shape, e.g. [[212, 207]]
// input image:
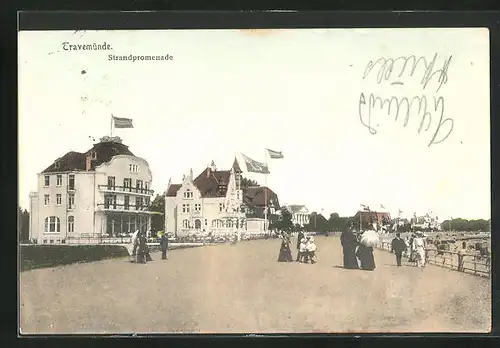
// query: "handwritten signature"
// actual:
[[386, 67], [393, 104]]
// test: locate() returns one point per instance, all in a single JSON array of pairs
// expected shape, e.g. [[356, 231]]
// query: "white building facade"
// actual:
[[300, 214], [104, 192], [210, 203]]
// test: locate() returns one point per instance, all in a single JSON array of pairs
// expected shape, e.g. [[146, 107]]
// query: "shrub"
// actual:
[[39, 256]]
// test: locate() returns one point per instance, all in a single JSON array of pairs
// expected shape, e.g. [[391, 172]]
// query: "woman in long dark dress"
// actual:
[[285, 254], [365, 256], [349, 243]]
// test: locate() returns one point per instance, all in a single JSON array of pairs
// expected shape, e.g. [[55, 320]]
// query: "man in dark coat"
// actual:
[[349, 243], [164, 245], [398, 246], [299, 238]]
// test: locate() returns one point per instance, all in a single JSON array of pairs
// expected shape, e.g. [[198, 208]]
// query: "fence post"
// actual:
[[475, 269]]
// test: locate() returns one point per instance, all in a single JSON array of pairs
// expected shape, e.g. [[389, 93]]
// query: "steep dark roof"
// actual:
[[208, 182], [70, 161], [257, 196], [172, 190], [236, 166], [73, 161]]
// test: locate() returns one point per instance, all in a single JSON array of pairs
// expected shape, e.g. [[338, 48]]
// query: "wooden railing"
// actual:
[[468, 263]]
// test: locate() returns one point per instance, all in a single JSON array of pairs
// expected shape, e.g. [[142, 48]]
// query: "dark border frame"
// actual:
[[66, 20]]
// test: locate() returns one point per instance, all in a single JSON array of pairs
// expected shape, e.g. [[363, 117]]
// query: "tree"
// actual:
[[24, 225], [317, 223], [284, 222], [157, 220], [246, 183]]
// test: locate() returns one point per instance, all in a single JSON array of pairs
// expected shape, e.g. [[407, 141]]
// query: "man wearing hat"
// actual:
[[398, 246]]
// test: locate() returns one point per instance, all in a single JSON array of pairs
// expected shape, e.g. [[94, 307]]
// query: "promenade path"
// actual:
[[242, 289]]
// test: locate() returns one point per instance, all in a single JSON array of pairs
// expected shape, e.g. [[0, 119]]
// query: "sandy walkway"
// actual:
[[241, 288]]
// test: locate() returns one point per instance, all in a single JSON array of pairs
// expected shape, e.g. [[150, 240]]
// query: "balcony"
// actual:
[[126, 190], [124, 208]]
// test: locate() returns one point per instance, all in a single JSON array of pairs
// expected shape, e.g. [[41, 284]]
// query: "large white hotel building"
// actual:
[[103, 192]]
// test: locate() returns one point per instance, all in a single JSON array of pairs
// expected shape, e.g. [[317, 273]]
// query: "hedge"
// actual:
[[38, 256]]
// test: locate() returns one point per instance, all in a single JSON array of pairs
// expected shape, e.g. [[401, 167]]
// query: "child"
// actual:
[[311, 249], [302, 251]]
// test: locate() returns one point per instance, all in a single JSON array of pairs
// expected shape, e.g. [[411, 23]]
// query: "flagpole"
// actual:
[[265, 193], [111, 127]]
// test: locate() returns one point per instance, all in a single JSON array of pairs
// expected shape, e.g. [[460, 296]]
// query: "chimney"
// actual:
[[191, 174], [88, 162], [208, 172]]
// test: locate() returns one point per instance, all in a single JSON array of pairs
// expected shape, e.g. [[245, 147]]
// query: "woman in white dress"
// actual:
[[419, 249]]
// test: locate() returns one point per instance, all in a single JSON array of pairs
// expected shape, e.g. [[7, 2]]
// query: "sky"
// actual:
[[300, 91]]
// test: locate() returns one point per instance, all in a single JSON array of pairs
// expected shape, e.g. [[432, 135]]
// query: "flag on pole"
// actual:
[[122, 122], [400, 211], [365, 207], [255, 166], [382, 206], [274, 154]]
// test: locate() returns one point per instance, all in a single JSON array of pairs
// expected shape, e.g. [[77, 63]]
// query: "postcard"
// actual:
[[254, 181]]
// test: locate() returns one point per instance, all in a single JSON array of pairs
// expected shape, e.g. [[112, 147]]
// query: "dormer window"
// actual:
[[188, 194], [93, 155], [58, 165]]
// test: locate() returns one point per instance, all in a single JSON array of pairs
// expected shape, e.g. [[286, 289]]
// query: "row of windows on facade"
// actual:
[[141, 186], [53, 224], [189, 194], [59, 181], [71, 200], [186, 208], [215, 223], [110, 201]]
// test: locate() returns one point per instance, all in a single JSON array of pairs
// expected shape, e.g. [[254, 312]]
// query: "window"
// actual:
[[146, 187], [111, 182], [59, 180], [185, 223], [237, 180], [93, 155], [127, 184], [47, 181], [71, 182], [138, 202], [58, 165], [126, 203], [110, 201], [71, 201], [46, 200], [206, 222], [52, 224], [146, 201], [186, 208], [138, 186], [71, 224], [58, 199], [221, 207], [188, 194], [197, 207], [133, 168]]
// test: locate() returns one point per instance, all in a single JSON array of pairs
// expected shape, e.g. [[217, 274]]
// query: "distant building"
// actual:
[[426, 222], [300, 214], [214, 202], [369, 217], [101, 192]]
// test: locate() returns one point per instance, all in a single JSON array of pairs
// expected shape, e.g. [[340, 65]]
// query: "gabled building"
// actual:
[[102, 192], [368, 218], [214, 202]]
